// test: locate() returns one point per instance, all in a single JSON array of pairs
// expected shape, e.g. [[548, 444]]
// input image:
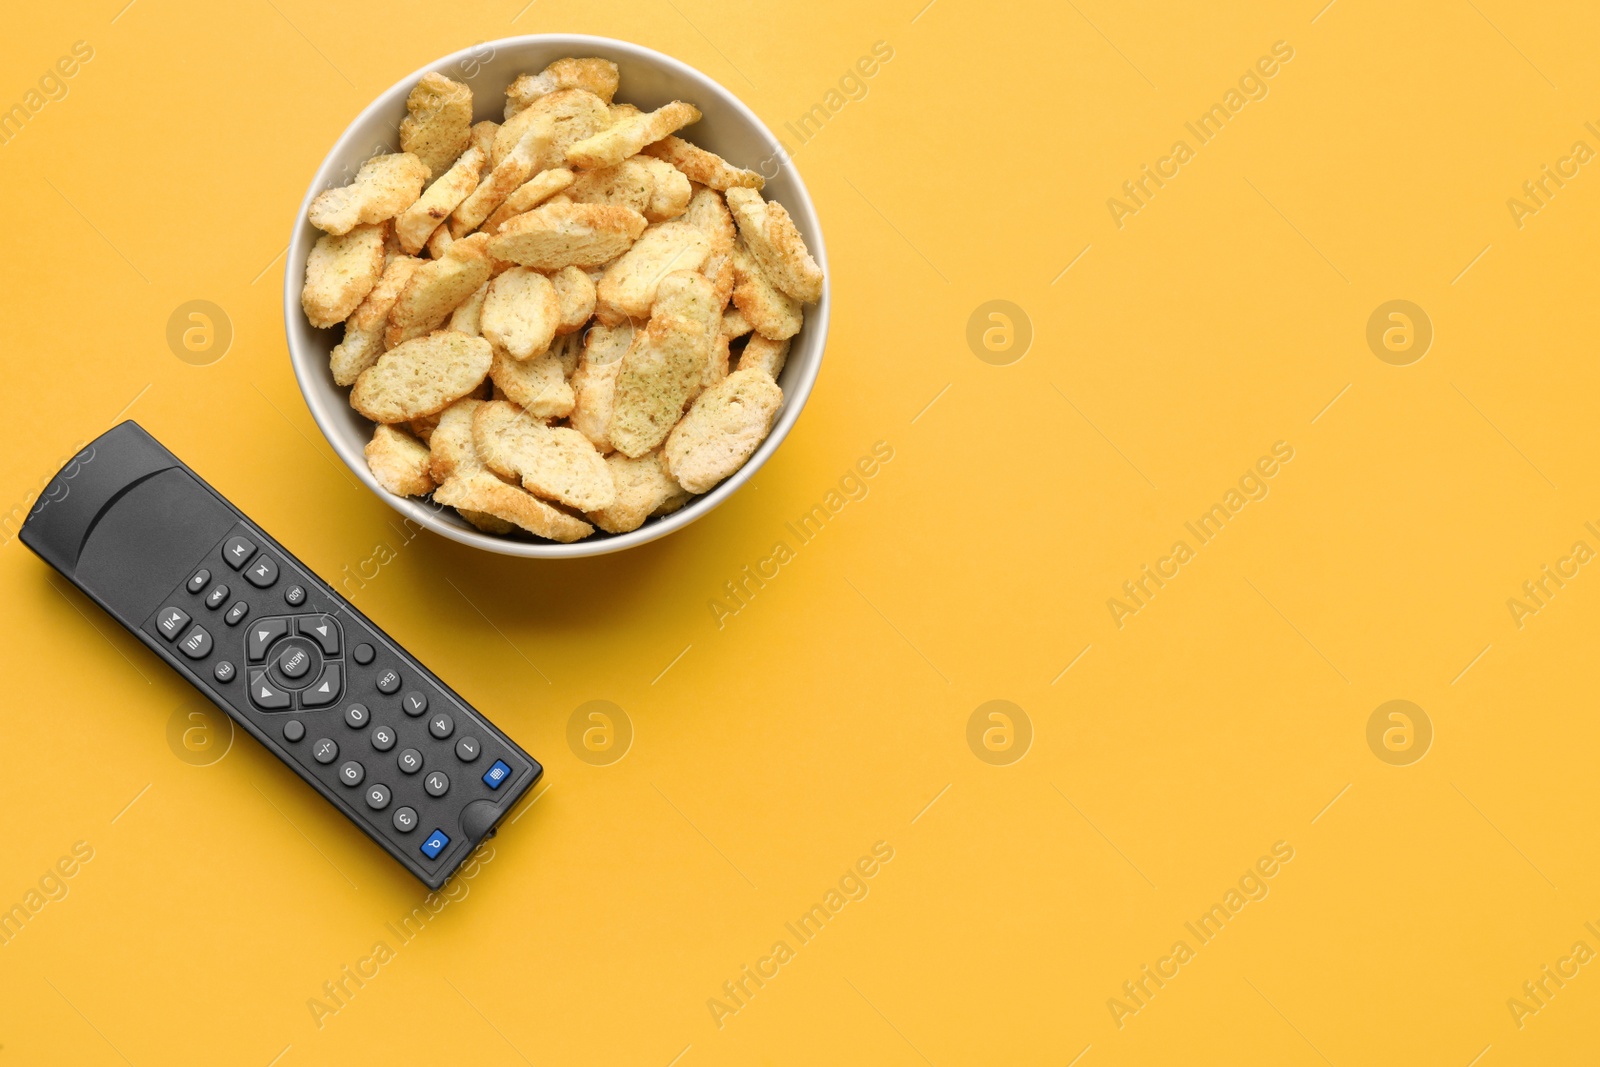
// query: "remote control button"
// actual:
[[389, 682], [356, 716], [365, 654], [405, 820], [237, 552], [496, 776], [441, 726], [377, 796], [352, 774], [224, 671], [197, 644], [415, 703], [324, 751], [218, 594], [436, 784], [383, 739], [236, 613], [198, 582], [171, 621], [265, 695], [294, 596], [321, 629], [294, 663], [294, 730], [325, 690], [435, 844], [262, 573], [263, 634], [410, 761], [467, 749]]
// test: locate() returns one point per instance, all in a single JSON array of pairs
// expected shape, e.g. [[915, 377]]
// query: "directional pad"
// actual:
[[321, 629], [265, 694], [262, 634], [325, 690]]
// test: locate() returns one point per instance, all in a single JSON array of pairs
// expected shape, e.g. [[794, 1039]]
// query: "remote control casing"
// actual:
[[131, 525]]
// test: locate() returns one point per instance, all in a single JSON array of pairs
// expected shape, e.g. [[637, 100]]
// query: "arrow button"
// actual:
[[263, 634], [265, 694], [324, 691], [321, 629]]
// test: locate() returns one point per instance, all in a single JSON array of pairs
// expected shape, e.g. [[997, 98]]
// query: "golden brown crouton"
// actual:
[[340, 272], [399, 462], [383, 187], [438, 125]]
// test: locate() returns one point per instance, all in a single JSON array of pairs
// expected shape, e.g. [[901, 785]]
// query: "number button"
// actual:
[[389, 682], [377, 797], [467, 749], [198, 582], [352, 773], [262, 573], [441, 726], [415, 703], [410, 761], [356, 716], [383, 739], [324, 750], [436, 784], [405, 820]]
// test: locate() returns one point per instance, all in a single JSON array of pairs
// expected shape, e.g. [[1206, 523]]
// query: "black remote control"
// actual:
[[289, 659]]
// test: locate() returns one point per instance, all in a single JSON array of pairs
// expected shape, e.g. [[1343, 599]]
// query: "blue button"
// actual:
[[496, 774], [435, 844]]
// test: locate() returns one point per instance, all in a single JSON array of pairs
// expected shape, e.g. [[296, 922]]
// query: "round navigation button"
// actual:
[[377, 796], [405, 820], [365, 654], [352, 773], [295, 663], [294, 730]]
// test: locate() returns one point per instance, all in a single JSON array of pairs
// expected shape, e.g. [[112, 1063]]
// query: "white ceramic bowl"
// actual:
[[649, 79]]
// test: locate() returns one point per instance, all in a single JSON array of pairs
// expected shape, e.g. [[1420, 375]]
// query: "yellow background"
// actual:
[[769, 754]]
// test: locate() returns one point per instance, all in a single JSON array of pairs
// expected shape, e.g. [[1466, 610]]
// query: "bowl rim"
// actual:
[[424, 512]]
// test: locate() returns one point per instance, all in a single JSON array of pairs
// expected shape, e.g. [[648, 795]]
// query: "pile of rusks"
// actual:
[[568, 320]]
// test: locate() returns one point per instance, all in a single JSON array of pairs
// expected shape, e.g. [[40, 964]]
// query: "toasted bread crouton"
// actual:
[[595, 379], [489, 524], [643, 486], [422, 428], [508, 174], [734, 324], [439, 241], [417, 223], [598, 76], [553, 462], [625, 137], [776, 246], [670, 190], [466, 318], [575, 294], [529, 195], [628, 184], [521, 313], [764, 355], [628, 287], [399, 462], [450, 448], [484, 494], [566, 350], [537, 385], [437, 288], [553, 236], [421, 376], [340, 272], [716, 367], [383, 187], [771, 312], [722, 430], [710, 214], [563, 118], [664, 367], [483, 134], [363, 330], [698, 165], [438, 125]]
